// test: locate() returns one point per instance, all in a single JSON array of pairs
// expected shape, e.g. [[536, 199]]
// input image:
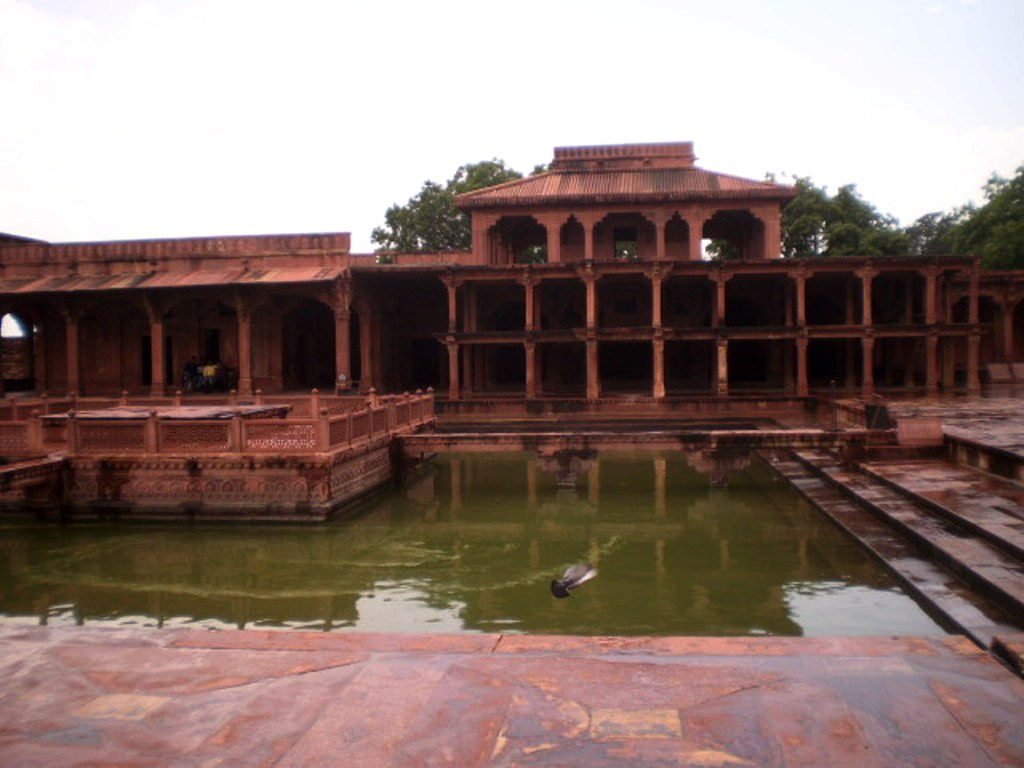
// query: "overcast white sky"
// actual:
[[168, 118]]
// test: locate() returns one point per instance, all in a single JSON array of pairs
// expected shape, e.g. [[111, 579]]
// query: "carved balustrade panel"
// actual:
[[338, 430], [111, 437], [279, 436], [360, 425], [195, 436], [13, 438], [55, 434]]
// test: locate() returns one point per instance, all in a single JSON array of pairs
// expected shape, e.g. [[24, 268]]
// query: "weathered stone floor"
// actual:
[[84, 696]]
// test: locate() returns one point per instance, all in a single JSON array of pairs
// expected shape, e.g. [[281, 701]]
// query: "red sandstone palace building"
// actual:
[[585, 283]]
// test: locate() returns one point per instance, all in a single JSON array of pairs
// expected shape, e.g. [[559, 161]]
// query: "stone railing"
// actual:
[[340, 422]]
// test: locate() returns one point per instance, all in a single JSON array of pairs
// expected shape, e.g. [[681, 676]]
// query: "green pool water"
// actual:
[[470, 544]]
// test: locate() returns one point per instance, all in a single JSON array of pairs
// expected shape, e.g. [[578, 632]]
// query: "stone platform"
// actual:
[[88, 696]]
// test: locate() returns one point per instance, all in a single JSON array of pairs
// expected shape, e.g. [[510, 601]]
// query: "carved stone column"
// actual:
[[158, 379], [866, 276], [553, 226], [802, 388], [771, 245], [868, 364], [722, 367], [244, 313], [695, 230], [342, 329], [931, 363], [657, 278], [718, 308], [931, 275], [659, 364], [593, 379], [531, 369], [453, 368], [71, 335]]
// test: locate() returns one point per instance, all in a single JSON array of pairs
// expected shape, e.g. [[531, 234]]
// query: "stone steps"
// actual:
[[990, 568], [941, 593]]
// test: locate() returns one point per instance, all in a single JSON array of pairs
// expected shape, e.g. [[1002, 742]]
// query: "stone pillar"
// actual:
[[531, 370], [974, 340], [39, 369], [593, 380], [71, 334], [588, 237], [868, 365], [659, 218], [366, 323], [529, 286], [659, 365], [930, 282], [342, 353], [722, 367], [771, 245], [590, 283], [453, 369], [802, 388], [244, 314], [656, 277], [800, 283], [866, 276], [695, 229], [158, 379], [718, 309], [553, 226], [451, 287], [931, 363]]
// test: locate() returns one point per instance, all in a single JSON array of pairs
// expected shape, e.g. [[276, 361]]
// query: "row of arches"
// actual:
[[623, 236], [292, 342]]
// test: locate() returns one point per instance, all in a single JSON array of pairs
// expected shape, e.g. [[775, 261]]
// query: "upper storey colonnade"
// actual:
[[635, 202]]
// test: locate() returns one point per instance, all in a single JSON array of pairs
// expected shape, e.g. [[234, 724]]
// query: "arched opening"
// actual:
[[518, 240], [625, 237], [740, 231], [16, 353], [308, 347]]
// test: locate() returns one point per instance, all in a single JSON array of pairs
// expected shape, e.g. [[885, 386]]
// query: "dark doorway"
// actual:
[[308, 347], [211, 344], [425, 358]]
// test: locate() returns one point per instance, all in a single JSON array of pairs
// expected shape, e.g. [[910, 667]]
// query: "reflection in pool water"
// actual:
[[470, 545]]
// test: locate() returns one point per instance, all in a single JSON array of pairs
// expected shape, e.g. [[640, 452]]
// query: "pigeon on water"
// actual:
[[574, 576]]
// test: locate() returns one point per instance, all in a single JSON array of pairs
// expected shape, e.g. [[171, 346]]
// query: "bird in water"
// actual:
[[575, 575]]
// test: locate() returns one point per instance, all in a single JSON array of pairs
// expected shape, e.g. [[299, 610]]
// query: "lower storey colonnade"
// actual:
[[638, 329]]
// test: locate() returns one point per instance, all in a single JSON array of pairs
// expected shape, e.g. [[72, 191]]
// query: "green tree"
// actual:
[[429, 221], [803, 220], [932, 234], [995, 231], [814, 224]]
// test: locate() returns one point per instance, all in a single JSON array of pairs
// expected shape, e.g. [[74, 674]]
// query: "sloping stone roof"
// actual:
[[629, 173]]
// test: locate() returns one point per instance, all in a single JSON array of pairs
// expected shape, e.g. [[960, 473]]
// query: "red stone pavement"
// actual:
[[134, 697]]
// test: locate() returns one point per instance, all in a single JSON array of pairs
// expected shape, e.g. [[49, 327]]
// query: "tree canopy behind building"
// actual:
[[814, 223], [430, 221]]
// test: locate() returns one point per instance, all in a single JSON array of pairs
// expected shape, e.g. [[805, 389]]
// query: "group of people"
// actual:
[[209, 376]]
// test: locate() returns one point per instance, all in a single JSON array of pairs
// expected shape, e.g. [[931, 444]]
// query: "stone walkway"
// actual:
[[85, 696], [997, 421]]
